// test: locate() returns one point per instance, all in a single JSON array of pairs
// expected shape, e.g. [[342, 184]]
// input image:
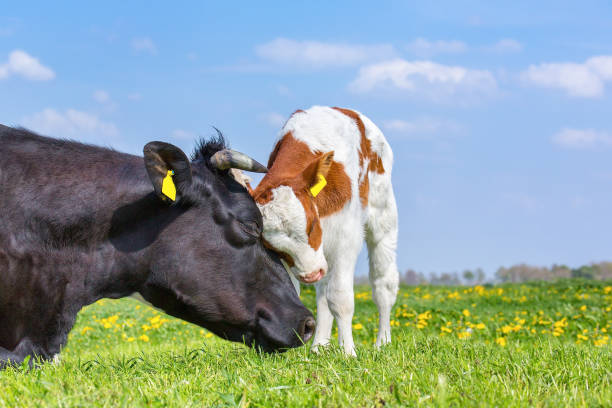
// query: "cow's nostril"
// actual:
[[308, 328]]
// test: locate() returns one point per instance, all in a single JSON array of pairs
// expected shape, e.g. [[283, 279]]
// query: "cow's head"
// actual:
[[288, 203], [207, 262]]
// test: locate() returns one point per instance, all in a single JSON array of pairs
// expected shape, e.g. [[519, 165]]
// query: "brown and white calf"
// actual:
[[327, 189]]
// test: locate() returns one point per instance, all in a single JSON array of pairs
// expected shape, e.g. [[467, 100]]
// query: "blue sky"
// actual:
[[499, 113]]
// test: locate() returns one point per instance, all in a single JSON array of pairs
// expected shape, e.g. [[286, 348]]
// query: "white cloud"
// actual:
[[20, 63], [72, 124], [424, 47], [144, 44], [506, 45], [582, 139], [586, 80], [101, 96], [274, 119], [602, 66], [427, 78], [186, 135], [314, 54], [423, 127]]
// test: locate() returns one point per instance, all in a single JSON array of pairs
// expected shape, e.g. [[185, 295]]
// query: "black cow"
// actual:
[[79, 223]]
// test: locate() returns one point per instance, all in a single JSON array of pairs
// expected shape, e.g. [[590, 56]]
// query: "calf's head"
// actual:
[[292, 224], [207, 263]]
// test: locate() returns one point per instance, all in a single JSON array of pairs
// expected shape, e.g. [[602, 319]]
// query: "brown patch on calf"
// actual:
[[375, 163], [293, 164]]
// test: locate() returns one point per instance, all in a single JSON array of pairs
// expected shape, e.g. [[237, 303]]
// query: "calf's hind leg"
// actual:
[[381, 238]]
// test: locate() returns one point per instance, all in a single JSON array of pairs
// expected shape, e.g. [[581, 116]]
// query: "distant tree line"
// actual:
[[513, 274], [524, 273]]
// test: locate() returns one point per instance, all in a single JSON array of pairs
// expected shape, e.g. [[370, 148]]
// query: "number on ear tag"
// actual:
[[168, 187], [316, 189]]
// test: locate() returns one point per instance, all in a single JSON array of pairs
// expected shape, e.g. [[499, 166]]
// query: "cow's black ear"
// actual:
[[168, 168]]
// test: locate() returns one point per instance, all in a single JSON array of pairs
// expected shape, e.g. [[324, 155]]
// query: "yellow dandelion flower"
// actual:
[[501, 341], [446, 329], [357, 326], [144, 338], [583, 308], [86, 329], [463, 334], [560, 323], [454, 295], [466, 313]]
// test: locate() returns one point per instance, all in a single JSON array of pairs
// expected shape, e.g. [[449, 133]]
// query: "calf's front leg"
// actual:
[[341, 301], [325, 319]]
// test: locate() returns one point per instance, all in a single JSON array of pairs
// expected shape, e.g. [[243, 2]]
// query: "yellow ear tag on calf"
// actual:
[[321, 183], [168, 187]]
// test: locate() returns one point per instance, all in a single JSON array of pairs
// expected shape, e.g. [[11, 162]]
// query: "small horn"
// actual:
[[231, 159]]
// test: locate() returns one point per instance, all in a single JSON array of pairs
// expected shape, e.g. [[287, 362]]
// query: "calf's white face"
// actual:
[[295, 232], [287, 199]]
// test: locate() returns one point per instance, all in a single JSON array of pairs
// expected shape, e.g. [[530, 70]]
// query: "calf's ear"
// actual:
[[321, 167], [169, 169], [325, 163]]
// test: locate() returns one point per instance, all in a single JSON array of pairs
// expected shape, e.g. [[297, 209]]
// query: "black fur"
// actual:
[[80, 222], [206, 148]]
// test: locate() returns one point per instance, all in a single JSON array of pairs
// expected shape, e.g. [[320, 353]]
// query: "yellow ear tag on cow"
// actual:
[[321, 183], [168, 187]]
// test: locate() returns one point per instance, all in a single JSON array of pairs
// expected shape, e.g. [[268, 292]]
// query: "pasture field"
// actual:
[[538, 344]]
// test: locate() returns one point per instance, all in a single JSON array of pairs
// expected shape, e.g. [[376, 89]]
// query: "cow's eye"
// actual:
[[250, 227]]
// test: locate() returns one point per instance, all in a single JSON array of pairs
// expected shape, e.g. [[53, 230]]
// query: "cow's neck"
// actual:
[[112, 261]]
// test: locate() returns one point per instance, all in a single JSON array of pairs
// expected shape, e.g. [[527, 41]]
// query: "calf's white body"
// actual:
[[356, 205]]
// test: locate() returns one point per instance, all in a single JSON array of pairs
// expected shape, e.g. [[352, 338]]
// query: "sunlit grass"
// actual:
[[510, 345]]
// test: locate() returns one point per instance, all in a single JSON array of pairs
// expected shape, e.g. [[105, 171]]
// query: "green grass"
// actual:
[[513, 345]]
